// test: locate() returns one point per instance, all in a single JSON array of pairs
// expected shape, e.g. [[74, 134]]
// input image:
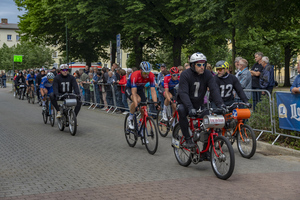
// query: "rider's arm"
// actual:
[[215, 92], [55, 86], [184, 90], [239, 90], [166, 87]]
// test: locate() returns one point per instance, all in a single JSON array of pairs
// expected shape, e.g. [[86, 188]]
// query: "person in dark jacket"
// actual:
[[255, 73], [265, 76]]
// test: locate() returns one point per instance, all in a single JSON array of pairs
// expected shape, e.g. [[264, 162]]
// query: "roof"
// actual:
[[9, 26]]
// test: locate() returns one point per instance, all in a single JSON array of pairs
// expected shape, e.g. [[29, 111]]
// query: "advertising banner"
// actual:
[[288, 105]]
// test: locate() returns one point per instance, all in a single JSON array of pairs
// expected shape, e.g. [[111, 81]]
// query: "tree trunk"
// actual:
[[287, 59], [177, 43], [233, 49], [138, 51]]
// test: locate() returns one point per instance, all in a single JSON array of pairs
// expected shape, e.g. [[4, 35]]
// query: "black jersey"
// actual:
[[39, 78], [227, 84], [192, 89], [20, 79], [65, 84]]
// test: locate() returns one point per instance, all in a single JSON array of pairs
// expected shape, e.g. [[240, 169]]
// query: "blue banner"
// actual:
[[288, 105]]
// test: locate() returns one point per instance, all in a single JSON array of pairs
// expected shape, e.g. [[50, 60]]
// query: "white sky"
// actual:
[[9, 10]]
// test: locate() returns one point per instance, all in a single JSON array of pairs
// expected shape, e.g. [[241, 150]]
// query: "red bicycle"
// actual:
[[165, 126], [202, 130], [145, 128]]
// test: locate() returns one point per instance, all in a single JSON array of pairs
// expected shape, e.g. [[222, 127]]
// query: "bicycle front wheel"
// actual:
[[246, 141], [32, 96], [61, 123], [72, 122], [45, 117], [163, 127], [150, 135], [52, 116], [129, 134], [222, 157], [182, 155]]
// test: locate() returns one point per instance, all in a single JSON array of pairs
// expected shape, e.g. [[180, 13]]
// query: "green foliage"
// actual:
[[34, 56]]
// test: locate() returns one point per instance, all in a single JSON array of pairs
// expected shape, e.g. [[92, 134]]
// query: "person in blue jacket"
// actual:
[[295, 88]]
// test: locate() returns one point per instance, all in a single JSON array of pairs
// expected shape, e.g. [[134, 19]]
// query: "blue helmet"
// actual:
[[145, 66]]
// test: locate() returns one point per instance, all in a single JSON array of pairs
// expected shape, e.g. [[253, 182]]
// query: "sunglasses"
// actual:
[[145, 73], [64, 70], [50, 79], [200, 64], [175, 75], [219, 69]]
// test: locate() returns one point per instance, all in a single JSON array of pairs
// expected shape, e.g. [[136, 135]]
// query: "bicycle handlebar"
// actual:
[[147, 103], [237, 103], [68, 94]]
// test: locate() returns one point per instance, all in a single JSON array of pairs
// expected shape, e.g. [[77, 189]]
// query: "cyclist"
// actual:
[[135, 89], [168, 91], [20, 79], [192, 88], [46, 87], [64, 83], [30, 80], [39, 77], [227, 83]]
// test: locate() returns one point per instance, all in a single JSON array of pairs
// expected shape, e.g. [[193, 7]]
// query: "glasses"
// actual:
[[200, 64], [64, 70], [50, 79], [175, 75], [219, 69], [145, 73]]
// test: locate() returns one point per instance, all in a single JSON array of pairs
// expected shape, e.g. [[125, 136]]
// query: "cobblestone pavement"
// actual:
[[38, 161]]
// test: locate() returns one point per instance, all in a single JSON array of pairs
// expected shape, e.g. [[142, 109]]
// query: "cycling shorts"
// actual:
[[141, 93]]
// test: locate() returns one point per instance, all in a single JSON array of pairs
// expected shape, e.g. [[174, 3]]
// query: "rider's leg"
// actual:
[[77, 107], [54, 102]]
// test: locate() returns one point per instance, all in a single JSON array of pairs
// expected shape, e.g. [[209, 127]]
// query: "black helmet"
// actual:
[[20, 72]]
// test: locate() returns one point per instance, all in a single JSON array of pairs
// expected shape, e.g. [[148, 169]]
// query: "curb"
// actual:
[[269, 149]]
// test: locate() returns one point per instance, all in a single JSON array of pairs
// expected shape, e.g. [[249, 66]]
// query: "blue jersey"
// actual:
[[169, 82], [30, 79], [46, 84]]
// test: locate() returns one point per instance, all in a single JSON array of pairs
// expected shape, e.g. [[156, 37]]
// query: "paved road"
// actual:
[[38, 161]]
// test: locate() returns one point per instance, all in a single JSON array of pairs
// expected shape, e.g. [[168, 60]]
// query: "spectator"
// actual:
[[180, 69], [90, 81], [84, 77], [86, 69], [237, 67], [129, 72], [118, 93], [295, 88], [134, 69], [96, 86], [208, 67], [186, 65], [1, 80], [265, 80], [160, 79], [123, 82], [109, 95], [244, 77], [53, 70], [255, 73], [102, 80]]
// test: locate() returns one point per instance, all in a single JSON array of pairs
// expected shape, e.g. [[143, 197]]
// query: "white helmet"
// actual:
[[64, 66], [197, 57], [50, 75]]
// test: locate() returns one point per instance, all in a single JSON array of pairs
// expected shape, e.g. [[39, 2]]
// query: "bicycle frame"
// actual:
[[143, 110], [237, 127]]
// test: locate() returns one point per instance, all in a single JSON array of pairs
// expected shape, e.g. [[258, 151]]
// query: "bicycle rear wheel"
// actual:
[[32, 96], [28, 97], [72, 122], [222, 157], [61, 123], [182, 155], [150, 135], [163, 127], [246, 141], [129, 134]]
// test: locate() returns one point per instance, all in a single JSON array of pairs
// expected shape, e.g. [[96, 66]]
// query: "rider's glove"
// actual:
[[224, 109], [192, 112], [249, 105]]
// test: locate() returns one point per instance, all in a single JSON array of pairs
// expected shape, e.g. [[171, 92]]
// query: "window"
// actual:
[[8, 37], [18, 38], [54, 54]]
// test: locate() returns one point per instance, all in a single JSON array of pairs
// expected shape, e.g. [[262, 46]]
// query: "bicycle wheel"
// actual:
[[32, 96], [61, 123], [129, 134], [246, 141], [150, 135], [28, 97], [45, 117], [182, 155], [222, 157], [163, 127], [72, 122], [52, 116]]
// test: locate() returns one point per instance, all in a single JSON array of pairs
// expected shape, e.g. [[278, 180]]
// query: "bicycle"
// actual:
[[20, 91], [68, 118], [165, 126], [48, 112], [202, 129], [235, 129], [145, 129], [30, 94]]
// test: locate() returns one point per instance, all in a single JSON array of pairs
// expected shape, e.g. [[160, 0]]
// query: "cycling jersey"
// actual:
[[137, 81], [227, 84], [30, 79], [46, 84], [169, 82], [65, 84]]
